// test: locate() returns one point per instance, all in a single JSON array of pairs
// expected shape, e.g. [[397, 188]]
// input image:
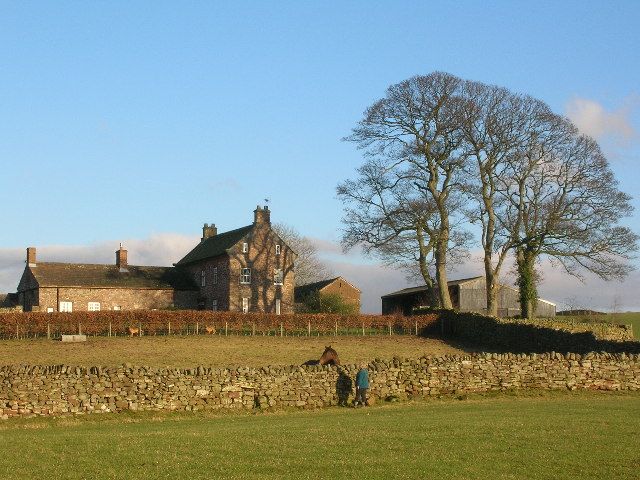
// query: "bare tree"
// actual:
[[308, 267], [414, 130], [390, 218], [495, 123], [563, 203]]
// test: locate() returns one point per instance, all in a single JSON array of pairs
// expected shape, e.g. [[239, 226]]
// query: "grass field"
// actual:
[[189, 351], [560, 436]]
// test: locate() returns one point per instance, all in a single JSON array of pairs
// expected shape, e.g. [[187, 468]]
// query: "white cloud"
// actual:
[[594, 120]]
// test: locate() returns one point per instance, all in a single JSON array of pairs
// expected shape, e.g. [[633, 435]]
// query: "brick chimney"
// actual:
[[209, 231], [31, 256], [121, 259], [262, 215]]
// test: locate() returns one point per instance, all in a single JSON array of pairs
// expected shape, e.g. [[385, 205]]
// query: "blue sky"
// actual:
[[139, 121]]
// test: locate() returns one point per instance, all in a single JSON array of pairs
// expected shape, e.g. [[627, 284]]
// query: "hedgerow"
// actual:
[[162, 322]]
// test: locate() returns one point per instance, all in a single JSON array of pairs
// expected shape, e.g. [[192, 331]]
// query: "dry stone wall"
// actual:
[[52, 390]]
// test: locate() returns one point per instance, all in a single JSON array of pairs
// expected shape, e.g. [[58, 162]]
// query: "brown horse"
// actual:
[[329, 357], [134, 331], [210, 329]]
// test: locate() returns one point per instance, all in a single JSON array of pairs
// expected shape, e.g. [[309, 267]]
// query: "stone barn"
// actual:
[[338, 285], [467, 295]]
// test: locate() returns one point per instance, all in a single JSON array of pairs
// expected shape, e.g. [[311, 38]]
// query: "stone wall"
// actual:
[[539, 335], [36, 390]]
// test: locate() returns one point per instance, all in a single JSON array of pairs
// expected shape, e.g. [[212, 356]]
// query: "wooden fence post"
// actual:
[[281, 330], [254, 329], [226, 327], [309, 328], [17, 331], [336, 328], [48, 331], [416, 327], [109, 329], [79, 328], [169, 329], [197, 328], [363, 329], [389, 329], [139, 329]]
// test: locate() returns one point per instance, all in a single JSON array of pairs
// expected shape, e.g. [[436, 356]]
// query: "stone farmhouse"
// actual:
[[67, 287], [338, 285], [247, 269], [467, 295]]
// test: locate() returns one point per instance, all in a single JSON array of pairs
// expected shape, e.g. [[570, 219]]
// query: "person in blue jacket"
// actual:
[[362, 385]]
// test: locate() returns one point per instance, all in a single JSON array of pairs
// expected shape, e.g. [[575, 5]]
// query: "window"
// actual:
[[49, 309], [214, 305], [94, 306], [66, 307], [117, 308], [215, 275], [203, 278], [277, 306], [245, 275], [277, 276], [277, 249], [245, 305], [245, 247]]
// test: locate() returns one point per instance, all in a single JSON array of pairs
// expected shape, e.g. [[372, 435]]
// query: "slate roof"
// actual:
[[50, 274], [216, 245]]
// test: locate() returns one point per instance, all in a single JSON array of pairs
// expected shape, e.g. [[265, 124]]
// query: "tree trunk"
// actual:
[[492, 288], [441, 270], [525, 259]]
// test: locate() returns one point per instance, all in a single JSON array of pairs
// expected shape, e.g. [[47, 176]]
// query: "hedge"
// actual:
[[162, 322]]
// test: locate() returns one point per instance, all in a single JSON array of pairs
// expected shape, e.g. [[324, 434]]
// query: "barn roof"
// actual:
[[424, 288], [304, 290], [52, 274], [215, 245]]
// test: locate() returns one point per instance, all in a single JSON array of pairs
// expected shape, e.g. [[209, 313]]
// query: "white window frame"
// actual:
[[65, 307], [49, 309], [245, 247], [245, 304], [215, 275], [278, 276], [93, 306], [117, 308], [278, 249], [245, 276], [203, 278], [214, 305]]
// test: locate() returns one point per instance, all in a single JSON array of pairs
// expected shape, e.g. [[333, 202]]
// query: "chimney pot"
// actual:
[[121, 259], [209, 231], [31, 256], [261, 216]]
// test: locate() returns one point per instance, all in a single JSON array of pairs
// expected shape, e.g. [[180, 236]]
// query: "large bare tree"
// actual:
[[390, 218], [495, 123], [563, 203], [414, 130]]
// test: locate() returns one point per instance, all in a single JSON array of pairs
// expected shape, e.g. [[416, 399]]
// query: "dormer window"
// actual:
[[245, 247], [277, 249]]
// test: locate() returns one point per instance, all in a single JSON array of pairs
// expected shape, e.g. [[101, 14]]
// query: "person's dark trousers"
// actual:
[[361, 396]]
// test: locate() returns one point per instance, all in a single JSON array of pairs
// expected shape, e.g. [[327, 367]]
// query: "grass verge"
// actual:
[[559, 436]]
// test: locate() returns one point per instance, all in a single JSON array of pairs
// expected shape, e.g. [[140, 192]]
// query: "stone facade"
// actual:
[[36, 390], [220, 259]]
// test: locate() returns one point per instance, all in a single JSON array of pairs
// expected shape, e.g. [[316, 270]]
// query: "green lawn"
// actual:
[[559, 436]]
